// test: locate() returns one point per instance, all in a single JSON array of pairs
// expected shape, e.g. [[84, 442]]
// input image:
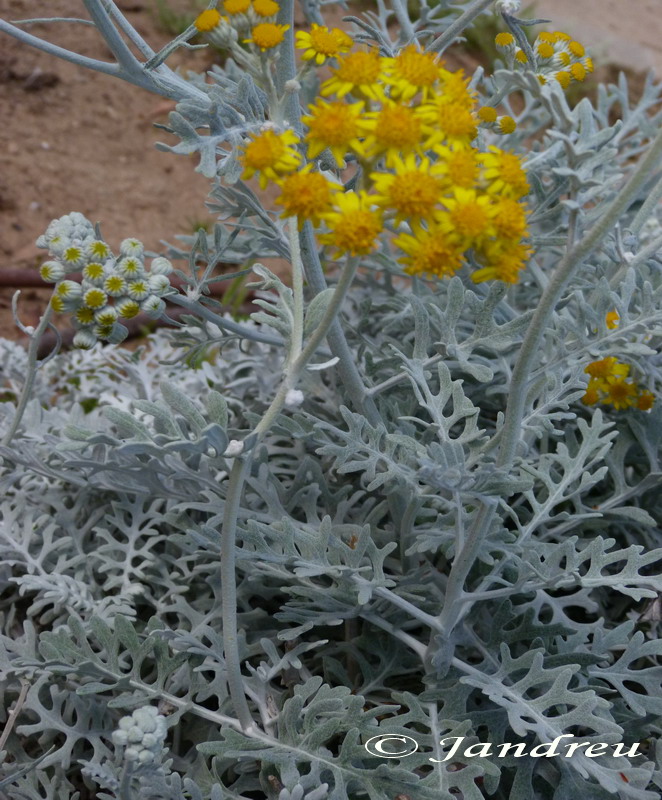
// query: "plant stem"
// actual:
[[31, 372], [297, 288], [573, 259], [453, 31], [236, 481]]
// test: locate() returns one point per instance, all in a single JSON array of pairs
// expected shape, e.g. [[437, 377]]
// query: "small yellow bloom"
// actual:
[[208, 20], [306, 195], [620, 393], [606, 368], [545, 50], [460, 165], [57, 304], [564, 78], [429, 253], [336, 126], [504, 40], [395, 130], [645, 400], [321, 43], [503, 261], [576, 49], [506, 124], [469, 216], [412, 71], [504, 173], [510, 218], [267, 35], [84, 315], [265, 8], [353, 224], [520, 56], [233, 7], [413, 192], [487, 114], [448, 121], [270, 154], [612, 319], [578, 71], [592, 394], [359, 73]]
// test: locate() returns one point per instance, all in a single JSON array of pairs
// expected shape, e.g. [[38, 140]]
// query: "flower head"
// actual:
[[414, 190], [353, 224], [358, 73], [394, 130], [320, 43], [411, 72], [208, 20], [429, 253], [265, 8], [334, 125], [306, 195], [267, 35], [270, 154]]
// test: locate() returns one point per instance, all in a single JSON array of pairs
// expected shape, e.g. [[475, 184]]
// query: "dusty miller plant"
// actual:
[[385, 505]]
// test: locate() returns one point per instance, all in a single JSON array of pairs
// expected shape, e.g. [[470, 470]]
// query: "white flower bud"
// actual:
[[52, 271], [161, 266], [292, 86], [132, 247], [85, 340], [158, 284], [153, 306], [510, 7], [294, 398], [234, 448]]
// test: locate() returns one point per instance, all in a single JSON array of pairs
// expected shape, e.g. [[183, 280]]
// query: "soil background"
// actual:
[[76, 140]]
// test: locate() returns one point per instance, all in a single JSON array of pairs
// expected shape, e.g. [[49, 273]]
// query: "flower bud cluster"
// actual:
[[113, 288], [558, 57], [142, 734]]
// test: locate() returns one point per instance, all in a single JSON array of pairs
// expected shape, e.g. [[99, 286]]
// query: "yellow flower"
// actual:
[[208, 20], [233, 7], [620, 393], [545, 50], [451, 121], [413, 192], [520, 56], [506, 124], [358, 73], [504, 40], [460, 165], [606, 368], [265, 8], [84, 315], [645, 400], [336, 126], [429, 252], [612, 319], [578, 71], [412, 71], [270, 154], [469, 216], [354, 225], [504, 173], [510, 218], [321, 43], [306, 195], [395, 129], [267, 35], [592, 395], [487, 114], [564, 78], [503, 262], [57, 304]]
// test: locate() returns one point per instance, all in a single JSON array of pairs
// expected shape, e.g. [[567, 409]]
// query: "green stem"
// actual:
[[31, 372]]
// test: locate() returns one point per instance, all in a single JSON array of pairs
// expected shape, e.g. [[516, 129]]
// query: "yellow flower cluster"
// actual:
[[256, 15], [609, 384], [410, 125], [557, 57]]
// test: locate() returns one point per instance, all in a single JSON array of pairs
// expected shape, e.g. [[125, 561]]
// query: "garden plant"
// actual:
[[394, 535]]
